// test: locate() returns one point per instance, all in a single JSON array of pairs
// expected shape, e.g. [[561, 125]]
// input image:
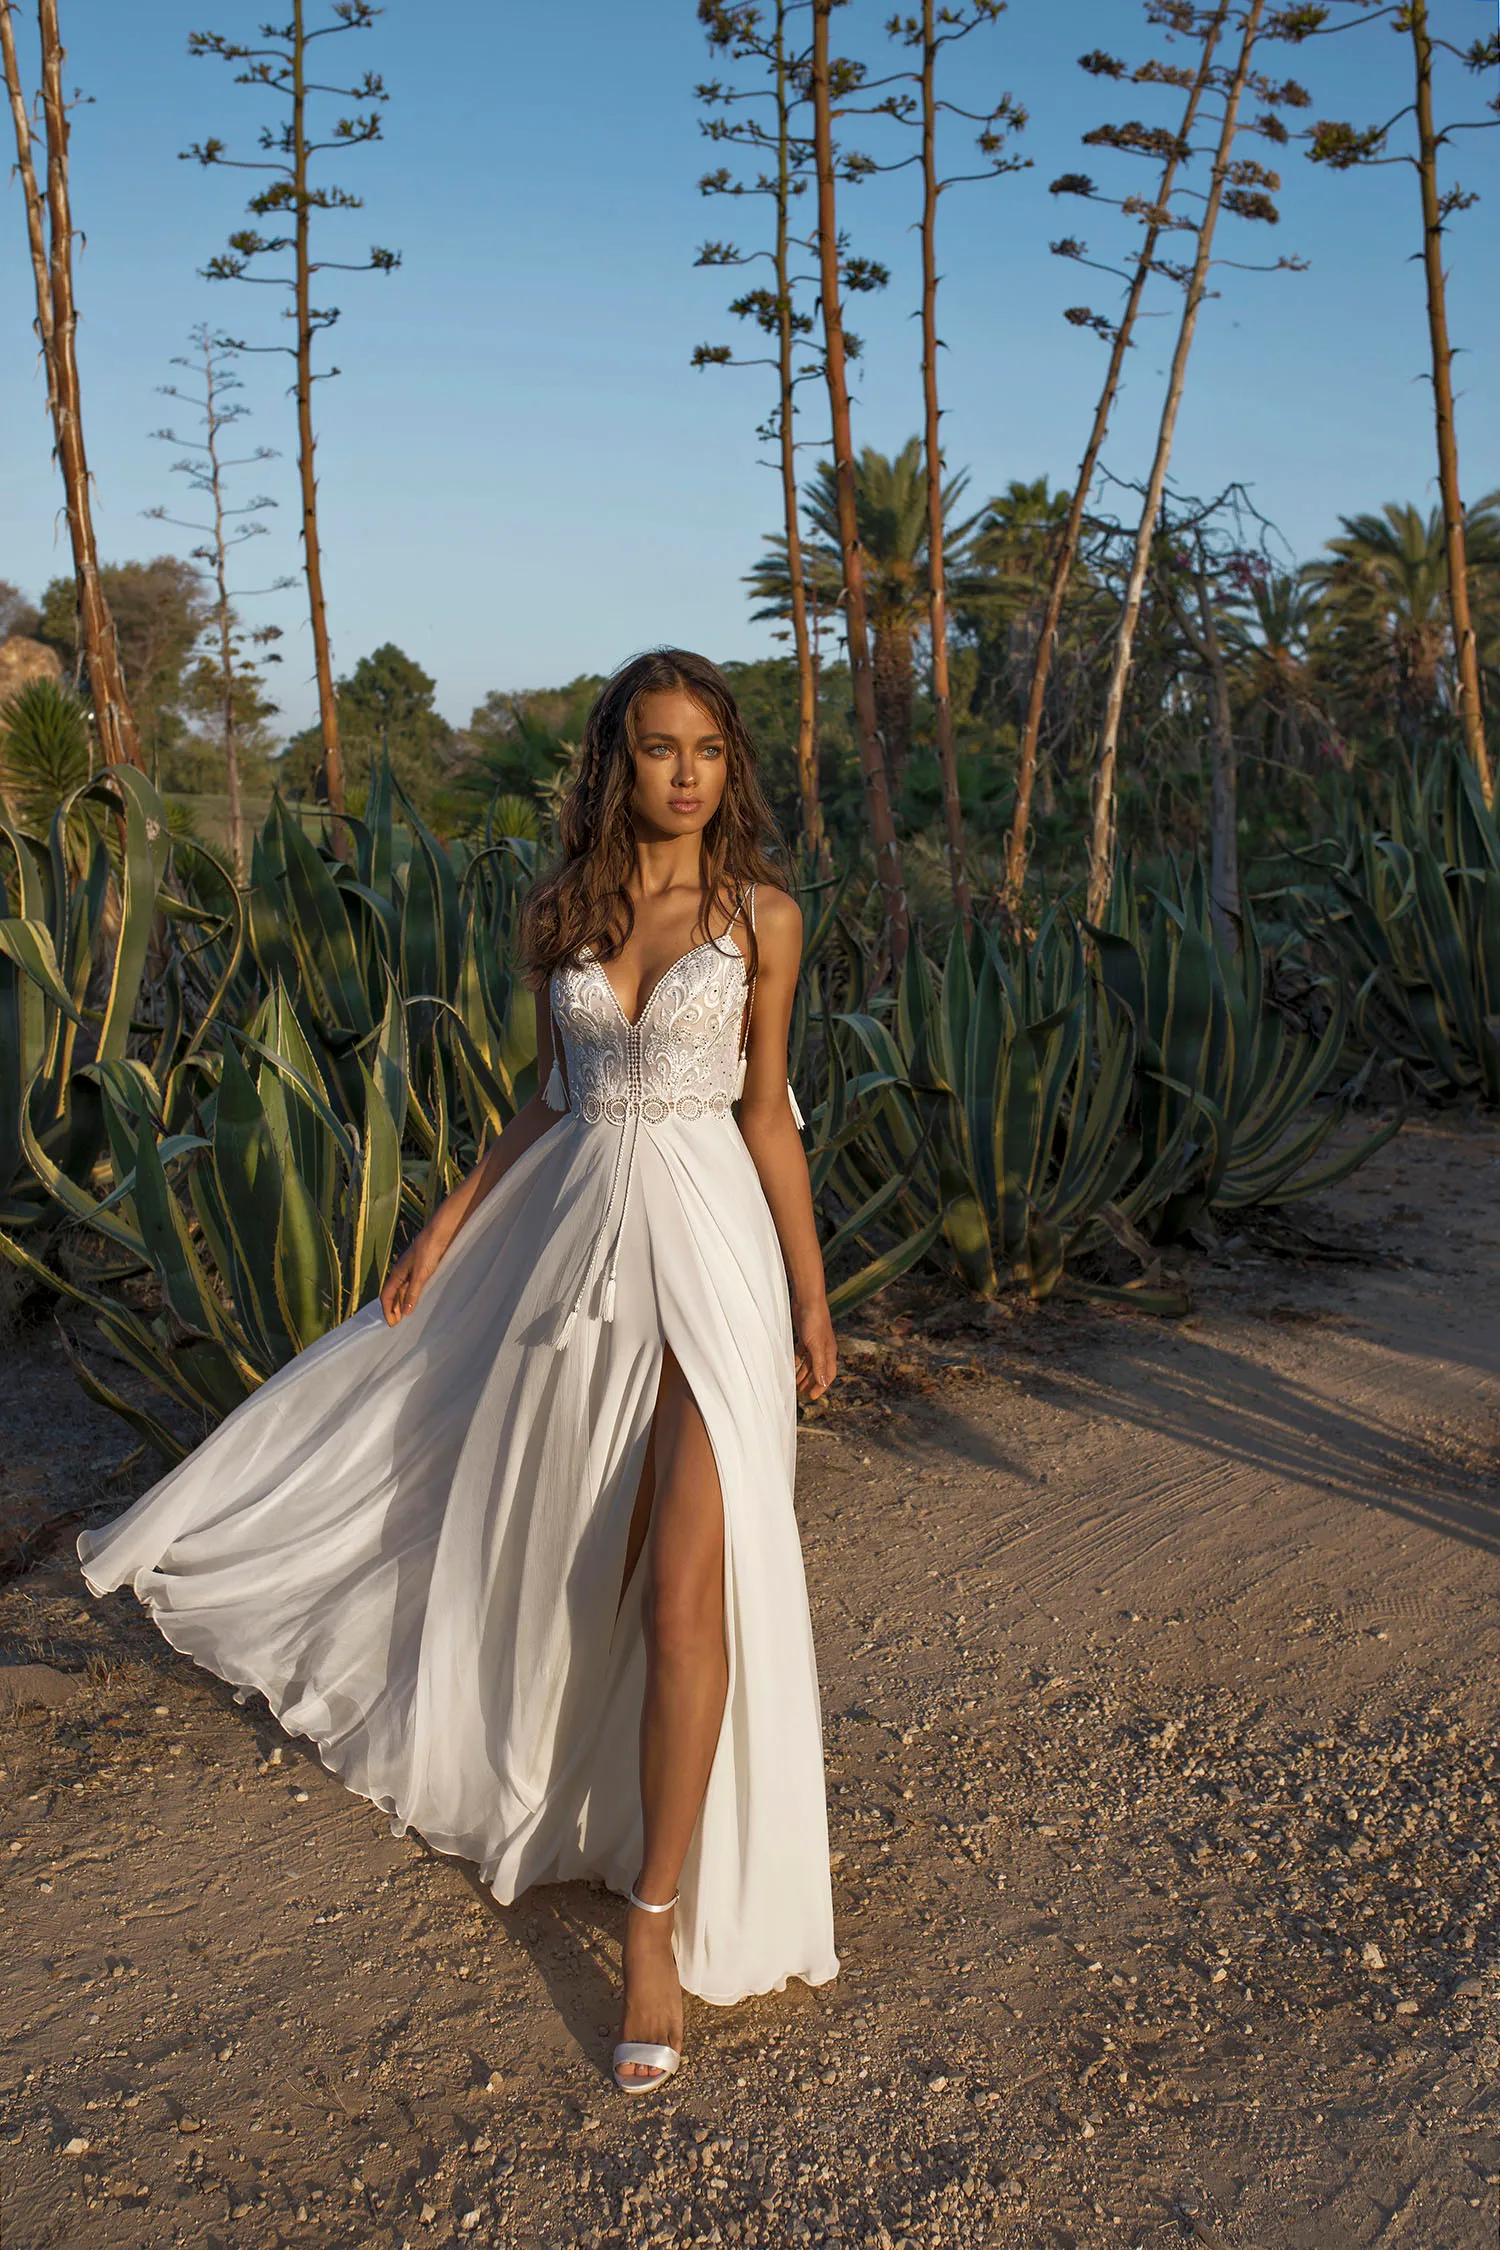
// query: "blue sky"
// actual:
[[523, 478]]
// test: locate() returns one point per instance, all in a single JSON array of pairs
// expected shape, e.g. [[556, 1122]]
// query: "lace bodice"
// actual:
[[681, 1058]]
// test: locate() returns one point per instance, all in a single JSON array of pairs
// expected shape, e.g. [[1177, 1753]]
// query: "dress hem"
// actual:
[[158, 1611]]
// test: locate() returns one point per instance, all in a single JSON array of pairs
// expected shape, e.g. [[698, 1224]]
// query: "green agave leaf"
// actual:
[[168, 1243], [29, 945], [1041, 1264], [879, 1274], [64, 1190], [1296, 1183], [308, 1281], [247, 1177], [379, 1204], [320, 931], [136, 1418]]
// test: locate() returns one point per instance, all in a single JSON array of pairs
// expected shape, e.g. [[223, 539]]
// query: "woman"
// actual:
[[514, 1545]]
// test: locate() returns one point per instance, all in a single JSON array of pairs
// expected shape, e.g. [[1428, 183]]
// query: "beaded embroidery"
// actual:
[[679, 1059]]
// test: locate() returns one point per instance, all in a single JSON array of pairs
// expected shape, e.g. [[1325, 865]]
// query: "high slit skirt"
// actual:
[[412, 1542]]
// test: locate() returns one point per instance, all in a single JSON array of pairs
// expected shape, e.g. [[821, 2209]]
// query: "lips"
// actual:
[[684, 804]]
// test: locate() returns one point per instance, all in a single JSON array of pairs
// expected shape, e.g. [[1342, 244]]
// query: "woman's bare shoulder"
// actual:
[[779, 923]]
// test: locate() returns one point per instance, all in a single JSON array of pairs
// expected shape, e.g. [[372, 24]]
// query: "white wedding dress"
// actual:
[[411, 1540]]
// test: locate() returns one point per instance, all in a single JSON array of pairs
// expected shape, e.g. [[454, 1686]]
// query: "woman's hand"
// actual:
[[817, 1352], [409, 1276]]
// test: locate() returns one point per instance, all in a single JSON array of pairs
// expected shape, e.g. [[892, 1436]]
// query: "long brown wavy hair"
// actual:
[[583, 901]]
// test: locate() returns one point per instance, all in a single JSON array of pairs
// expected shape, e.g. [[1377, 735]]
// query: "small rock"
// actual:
[[427, 2214], [77, 2146], [299, 1796], [470, 2220], [189, 2124], [936, 2085], [1467, 1988], [1371, 1956], [1407, 2008], [36, 1684], [1087, 2130]]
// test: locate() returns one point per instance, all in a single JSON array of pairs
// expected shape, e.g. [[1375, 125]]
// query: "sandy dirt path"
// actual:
[[1160, 1686]]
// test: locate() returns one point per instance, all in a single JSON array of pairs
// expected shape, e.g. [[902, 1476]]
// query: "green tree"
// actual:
[[1270, 633], [159, 611], [18, 614], [1386, 616], [891, 513], [386, 707]]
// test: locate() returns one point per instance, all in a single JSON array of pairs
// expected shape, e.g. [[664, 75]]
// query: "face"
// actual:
[[681, 765]]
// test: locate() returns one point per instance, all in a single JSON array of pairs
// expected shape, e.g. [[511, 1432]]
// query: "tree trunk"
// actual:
[[1102, 841], [895, 672], [1062, 569], [57, 316], [312, 553], [1224, 814], [26, 166], [856, 626], [937, 599], [223, 620], [1465, 647], [807, 693]]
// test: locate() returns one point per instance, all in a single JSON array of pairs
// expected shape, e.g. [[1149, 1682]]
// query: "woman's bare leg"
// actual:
[[687, 1679]]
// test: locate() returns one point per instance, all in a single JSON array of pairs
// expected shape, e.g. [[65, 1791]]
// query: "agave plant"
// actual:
[[265, 1223], [335, 1045], [1226, 1085], [403, 959], [1409, 914], [989, 1129], [73, 961]]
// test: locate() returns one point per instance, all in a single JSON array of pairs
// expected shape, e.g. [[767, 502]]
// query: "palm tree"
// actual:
[[1000, 600], [891, 504], [1385, 606], [44, 757], [1269, 634]]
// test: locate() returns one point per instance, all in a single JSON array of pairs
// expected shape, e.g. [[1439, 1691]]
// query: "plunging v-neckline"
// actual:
[[709, 945]]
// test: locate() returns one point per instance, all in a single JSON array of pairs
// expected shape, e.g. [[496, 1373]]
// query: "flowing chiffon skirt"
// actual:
[[411, 1540]]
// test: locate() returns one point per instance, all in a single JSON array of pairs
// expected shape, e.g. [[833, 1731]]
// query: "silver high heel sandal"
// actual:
[[663, 2060]]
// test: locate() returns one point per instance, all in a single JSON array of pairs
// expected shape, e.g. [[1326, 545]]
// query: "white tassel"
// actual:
[[555, 1097], [566, 1330], [797, 1117], [607, 1303]]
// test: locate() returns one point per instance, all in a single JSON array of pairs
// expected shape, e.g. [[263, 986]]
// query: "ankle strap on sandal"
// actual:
[[647, 1908]]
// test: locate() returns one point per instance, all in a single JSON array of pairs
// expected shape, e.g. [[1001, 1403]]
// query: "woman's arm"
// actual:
[[773, 1141], [417, 1264]]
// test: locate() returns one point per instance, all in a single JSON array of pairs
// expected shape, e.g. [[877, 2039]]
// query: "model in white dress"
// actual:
[[412, 1538]]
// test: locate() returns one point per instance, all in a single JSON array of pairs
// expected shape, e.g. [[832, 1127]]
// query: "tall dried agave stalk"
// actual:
[[1344, 146], [856, 619], [738, 31], [49, 228], [1158, 218]]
